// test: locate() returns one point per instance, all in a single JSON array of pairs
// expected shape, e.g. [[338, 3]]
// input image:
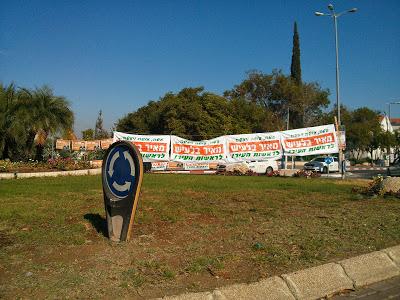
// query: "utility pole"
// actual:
[[287, 128], [335, 15]]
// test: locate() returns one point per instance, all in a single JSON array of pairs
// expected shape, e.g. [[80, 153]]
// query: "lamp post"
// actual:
[[335, 16], [287, 128], [387, 125]]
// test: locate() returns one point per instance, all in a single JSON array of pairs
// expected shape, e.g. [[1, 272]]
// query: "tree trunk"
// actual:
[[372, 156], [5, 150], [358, 155], [29, 144], [39, 153]]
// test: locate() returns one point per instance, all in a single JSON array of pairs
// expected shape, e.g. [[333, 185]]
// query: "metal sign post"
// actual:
[[122, 174], [328, 161]]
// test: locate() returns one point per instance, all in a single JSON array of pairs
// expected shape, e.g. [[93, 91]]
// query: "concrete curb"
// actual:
[[50, 174], [186, 172], [313, 283], [370, 268], [394, 254], [367, 168]]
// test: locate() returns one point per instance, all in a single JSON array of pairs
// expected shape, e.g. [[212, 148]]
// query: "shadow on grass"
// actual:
[[98, 222]]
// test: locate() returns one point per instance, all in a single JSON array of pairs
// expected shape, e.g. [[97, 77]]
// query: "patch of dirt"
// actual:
[[5, 240]]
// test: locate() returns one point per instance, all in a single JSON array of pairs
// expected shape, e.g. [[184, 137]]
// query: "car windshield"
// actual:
[[319, 159], [322, 159]]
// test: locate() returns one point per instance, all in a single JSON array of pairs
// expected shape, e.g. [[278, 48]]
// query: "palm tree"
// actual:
[[12, 126], [47, 114], [28, 117]]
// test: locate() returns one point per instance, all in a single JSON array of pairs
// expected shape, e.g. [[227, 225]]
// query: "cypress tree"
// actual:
[[99, 132], [295, 67]]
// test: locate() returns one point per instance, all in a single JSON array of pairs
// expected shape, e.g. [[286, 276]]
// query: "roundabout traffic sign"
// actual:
[[120, 182], [122, 173], [328, 160]]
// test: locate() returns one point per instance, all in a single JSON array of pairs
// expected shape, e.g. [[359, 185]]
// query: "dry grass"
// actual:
[[191, 233]]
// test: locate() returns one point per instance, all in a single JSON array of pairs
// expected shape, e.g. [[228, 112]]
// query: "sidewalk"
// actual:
[[313, 283]]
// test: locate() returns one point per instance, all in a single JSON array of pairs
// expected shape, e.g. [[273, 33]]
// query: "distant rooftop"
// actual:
[[395, 121]]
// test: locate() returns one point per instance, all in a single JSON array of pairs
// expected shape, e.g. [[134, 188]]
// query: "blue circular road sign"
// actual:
[[122, 174], [328, 160], [120, 171]]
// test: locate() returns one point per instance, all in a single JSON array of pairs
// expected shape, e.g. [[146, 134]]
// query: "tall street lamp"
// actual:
[[334, 16], [387, 125]]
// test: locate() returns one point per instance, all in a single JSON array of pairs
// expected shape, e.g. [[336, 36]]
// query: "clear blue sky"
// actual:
[[118, 55]]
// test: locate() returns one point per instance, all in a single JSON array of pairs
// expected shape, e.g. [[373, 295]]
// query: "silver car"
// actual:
[[318, 164]]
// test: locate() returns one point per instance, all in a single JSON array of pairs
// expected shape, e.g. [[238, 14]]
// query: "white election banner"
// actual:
[[253, 147], [152, 147], [190, 166], [183, 150], [159, 166], [310, 141]]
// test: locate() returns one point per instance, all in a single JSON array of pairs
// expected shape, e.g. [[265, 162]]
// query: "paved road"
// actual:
[[367, 174], [364, 174], [388, 289]]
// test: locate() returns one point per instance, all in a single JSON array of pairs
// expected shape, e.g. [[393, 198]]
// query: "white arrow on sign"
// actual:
[[111, 166], [129, 158], [122, 188], [127, 185]]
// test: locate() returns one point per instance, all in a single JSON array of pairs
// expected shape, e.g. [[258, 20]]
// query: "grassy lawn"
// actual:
[[191, 233]]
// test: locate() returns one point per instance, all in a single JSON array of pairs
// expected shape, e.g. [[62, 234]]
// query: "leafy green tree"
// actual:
[[196, 114], [258, 88], [396, 145], [143, 121], [99, 131], [307, 104], [346, 116], [363, 129], [248, 117], [258, 104], [88, 134], [385, 140], [278, 93], [295, 67]]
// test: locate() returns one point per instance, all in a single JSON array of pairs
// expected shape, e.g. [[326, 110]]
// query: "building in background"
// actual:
[[395, 123], [386, 124]]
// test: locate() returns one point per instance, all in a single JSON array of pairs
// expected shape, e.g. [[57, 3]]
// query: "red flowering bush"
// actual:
[[275, 173], [306, 174]]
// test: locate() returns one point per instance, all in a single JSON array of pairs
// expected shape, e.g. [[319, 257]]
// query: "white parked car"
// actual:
[[318, 164], [261, 167]]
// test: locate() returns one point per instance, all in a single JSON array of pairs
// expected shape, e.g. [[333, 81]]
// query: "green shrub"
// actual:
[[65, 153], [97, 154]]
